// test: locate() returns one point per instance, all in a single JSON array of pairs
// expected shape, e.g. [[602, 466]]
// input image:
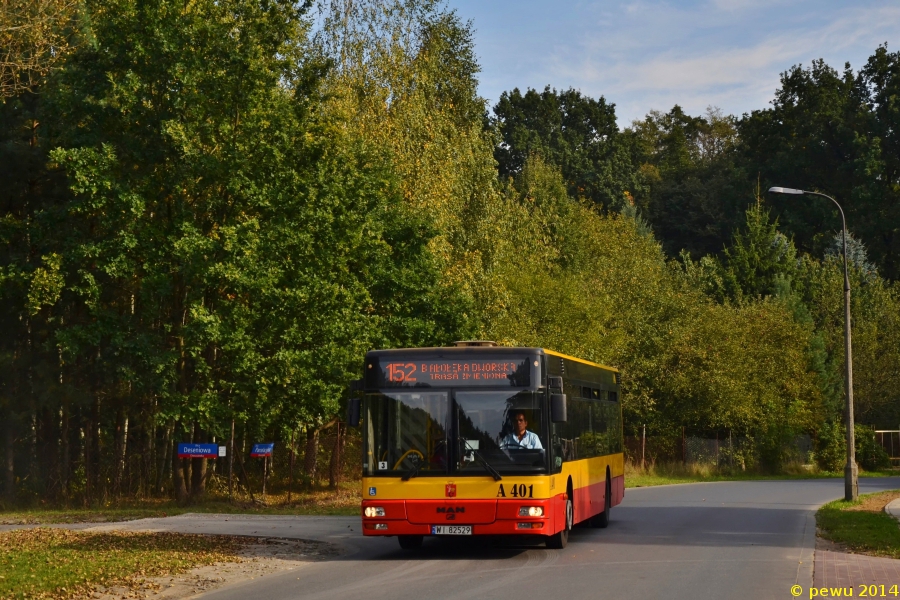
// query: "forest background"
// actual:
[[210, 210]]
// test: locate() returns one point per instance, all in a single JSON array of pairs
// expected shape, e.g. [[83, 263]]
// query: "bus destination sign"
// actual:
[[433, 372]]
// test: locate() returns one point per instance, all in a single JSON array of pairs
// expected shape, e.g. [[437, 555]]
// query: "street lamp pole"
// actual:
[[851, 471]]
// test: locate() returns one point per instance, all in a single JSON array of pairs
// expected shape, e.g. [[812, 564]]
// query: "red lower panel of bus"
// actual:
[[589, 500], [487, 517]]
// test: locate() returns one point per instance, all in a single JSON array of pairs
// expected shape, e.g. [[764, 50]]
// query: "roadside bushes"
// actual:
[[831, 448], [870, 455]]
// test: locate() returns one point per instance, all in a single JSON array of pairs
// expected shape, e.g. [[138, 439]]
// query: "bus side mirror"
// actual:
[[353, 409], [558, 408], [555, 383]]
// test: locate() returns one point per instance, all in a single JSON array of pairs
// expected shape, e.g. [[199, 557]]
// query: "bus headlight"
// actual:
[[374, 511], [531, 511]]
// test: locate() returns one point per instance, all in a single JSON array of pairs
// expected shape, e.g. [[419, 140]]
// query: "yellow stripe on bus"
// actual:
[[586, 472], [581, 360]]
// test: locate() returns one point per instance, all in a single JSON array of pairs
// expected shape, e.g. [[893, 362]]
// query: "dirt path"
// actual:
[[261, 557]]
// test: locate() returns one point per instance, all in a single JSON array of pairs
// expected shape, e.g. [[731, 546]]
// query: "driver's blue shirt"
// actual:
[[530, 441]]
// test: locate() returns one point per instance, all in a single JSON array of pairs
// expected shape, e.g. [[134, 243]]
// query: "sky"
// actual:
[[650, 55]]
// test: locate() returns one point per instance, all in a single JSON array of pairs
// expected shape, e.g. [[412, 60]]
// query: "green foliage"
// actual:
[[831, 447], [576, 133], [598, 287], [231, 248], [833, 132], [870, 455], [405, 85], [761, 261], [875, 306], [209, 214], [195, 136], [694, 187]]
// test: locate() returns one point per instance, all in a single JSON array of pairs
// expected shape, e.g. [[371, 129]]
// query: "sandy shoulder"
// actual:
[[259, 558]]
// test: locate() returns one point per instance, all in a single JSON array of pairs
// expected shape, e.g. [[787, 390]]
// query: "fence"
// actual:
[[287, 471], [83, 473], [719, 450], [889, 439]]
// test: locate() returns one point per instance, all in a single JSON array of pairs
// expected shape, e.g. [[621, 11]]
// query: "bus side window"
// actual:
[[591, 440], [614, 413]]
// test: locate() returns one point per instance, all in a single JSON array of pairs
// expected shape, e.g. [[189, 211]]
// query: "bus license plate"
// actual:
[[451, 530]]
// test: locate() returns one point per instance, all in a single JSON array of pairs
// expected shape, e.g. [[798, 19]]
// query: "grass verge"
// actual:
[[676, 472], [344, 501], [647, 480], [52, 563], [862, 526]]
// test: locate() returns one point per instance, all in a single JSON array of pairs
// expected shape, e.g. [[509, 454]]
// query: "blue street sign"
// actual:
[[261, 450], [198, 450]]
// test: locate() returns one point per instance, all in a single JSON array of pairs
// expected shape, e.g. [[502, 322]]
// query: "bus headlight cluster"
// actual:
[[374, 511], [531, 511]]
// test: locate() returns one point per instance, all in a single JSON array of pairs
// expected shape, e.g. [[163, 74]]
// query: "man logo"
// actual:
[[450, 511]]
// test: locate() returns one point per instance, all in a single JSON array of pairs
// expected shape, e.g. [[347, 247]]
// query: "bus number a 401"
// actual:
[[517, 491]]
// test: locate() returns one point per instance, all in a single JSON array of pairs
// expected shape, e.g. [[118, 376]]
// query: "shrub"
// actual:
[[870, 455], [831, 447]]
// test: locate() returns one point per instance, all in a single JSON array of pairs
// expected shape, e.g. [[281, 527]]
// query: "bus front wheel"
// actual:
[[410, 542], [558, 540]]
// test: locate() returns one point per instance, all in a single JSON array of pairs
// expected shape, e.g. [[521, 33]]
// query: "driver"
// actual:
[[521, 438]]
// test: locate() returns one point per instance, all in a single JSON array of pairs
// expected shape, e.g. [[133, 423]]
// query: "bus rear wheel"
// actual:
[[558, 540], [410, 542], [601, 521]]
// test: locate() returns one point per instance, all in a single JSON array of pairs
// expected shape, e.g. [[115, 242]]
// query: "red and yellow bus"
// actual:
[[477, 439]]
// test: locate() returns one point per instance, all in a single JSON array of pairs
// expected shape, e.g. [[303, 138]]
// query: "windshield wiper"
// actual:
[[485, 463], [413, 471]]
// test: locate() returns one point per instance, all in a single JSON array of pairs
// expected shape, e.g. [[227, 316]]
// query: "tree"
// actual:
[[761, 261], [832, 132], [694, 188], [575, 133], [229, 251], [878, 84], [405, 82], [35, 35], [599, 287]]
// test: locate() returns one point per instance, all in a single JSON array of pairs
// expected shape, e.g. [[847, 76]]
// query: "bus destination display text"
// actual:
[[456, 372]]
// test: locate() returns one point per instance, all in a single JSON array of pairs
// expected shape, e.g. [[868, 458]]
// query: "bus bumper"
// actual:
[[486, 517]]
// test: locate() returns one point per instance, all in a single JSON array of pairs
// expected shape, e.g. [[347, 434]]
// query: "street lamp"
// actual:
[[851, 472]]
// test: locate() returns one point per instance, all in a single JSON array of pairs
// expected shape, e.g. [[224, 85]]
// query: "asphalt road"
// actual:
[[752, 539]]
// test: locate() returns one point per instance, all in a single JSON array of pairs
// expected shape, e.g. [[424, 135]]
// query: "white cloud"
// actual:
[[746, 5], [652, 54], [697, 57]]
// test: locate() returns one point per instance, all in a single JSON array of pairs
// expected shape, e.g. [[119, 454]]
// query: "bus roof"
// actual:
[[464, 350]]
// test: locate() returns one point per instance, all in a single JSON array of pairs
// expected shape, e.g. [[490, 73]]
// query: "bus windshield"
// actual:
[[423, 433], [407, 432], [502, 428]]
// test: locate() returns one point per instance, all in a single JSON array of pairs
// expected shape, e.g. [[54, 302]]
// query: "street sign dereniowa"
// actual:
[[198, 450]]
